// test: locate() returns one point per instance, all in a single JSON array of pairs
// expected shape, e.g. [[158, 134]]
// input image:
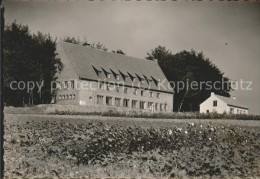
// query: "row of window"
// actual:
[[125, 76], [239, 111], [108, 87], [67, 97], [130, 103]]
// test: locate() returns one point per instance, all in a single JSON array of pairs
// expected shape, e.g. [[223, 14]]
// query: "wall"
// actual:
[[87, 92]]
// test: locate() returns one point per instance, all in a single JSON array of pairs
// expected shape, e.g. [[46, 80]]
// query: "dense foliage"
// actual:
[[101, 149], [190, 67], [28, 58]]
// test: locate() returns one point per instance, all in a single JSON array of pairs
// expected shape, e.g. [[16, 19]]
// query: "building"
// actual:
[[221, 104], [95, 78]]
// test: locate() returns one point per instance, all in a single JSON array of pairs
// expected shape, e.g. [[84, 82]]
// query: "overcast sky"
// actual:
[[138, 27]]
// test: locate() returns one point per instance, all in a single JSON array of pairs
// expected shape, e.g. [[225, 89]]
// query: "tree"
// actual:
[[118, 51], [28, 58], [188, 68]]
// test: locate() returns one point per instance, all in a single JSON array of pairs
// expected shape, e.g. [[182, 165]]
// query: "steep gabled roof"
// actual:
[[231, 101], [84, 58]]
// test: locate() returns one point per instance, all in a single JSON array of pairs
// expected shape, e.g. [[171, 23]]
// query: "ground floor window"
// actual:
[[117, 101], [126, 102], [109, 100], [142, 103], [231, 110], [156, 106], [100, 99], [134, 104], [150, 105], [161, 107], [165, 106]]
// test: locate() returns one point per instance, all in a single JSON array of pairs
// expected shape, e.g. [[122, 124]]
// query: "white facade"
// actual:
[[220, 104]]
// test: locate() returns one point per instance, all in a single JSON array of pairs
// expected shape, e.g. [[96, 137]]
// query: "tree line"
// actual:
[[31, 57]]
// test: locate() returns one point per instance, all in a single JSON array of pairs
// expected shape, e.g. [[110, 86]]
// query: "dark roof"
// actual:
[[84, 58], [231, 101]]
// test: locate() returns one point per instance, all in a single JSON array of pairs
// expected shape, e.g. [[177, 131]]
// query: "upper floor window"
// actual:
[[101, 86], [142, 92], [151, 94], [72, 85], [108, 87], [135, 91], [215, 103], [157, 95], [117, 89], [125, 90], [108, 75]]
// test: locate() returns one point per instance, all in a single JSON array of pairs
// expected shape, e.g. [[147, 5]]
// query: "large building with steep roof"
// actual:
[[105, 80]]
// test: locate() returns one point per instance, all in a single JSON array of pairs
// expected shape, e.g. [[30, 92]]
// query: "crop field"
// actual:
[[100, 146]]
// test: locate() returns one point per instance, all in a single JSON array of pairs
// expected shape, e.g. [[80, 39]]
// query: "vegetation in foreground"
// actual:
[[173, 115], [67, 149]]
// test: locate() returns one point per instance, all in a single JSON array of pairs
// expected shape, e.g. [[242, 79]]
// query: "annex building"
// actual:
[[221, 104], [106, 80]]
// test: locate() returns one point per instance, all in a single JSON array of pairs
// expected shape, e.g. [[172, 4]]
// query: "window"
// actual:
[[156, 106], [125, 90], [60, 97], [142, 81], [142, 103], [108, 75], [151, 94], [117, 77], [215, 103], [72, 84], [73, 96], [134, 103], [135, 91], [99, 99], [117, 101], [157, 95], [117, 89], [100, 85], [165, 106], [207, 111], [65, 84], [70, 96], [126, 77], [142, 92], [126, 102], [161, 107], [67, 97], [150, 105], [90, 98], [108, 87], [99, 73], [231, 110], [109, 101]]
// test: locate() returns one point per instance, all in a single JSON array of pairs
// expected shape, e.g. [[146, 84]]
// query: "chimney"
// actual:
[[234, 97], [212, 94]]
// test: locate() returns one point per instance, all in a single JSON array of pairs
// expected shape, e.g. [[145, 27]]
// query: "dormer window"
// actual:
[[155, 81], [98, 72], [131, 76], [107, 73], [117, 77]]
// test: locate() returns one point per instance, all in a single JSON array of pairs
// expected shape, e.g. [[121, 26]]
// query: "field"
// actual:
[[101, 146]]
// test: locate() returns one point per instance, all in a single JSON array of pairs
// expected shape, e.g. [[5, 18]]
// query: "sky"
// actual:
[[228, 33]]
